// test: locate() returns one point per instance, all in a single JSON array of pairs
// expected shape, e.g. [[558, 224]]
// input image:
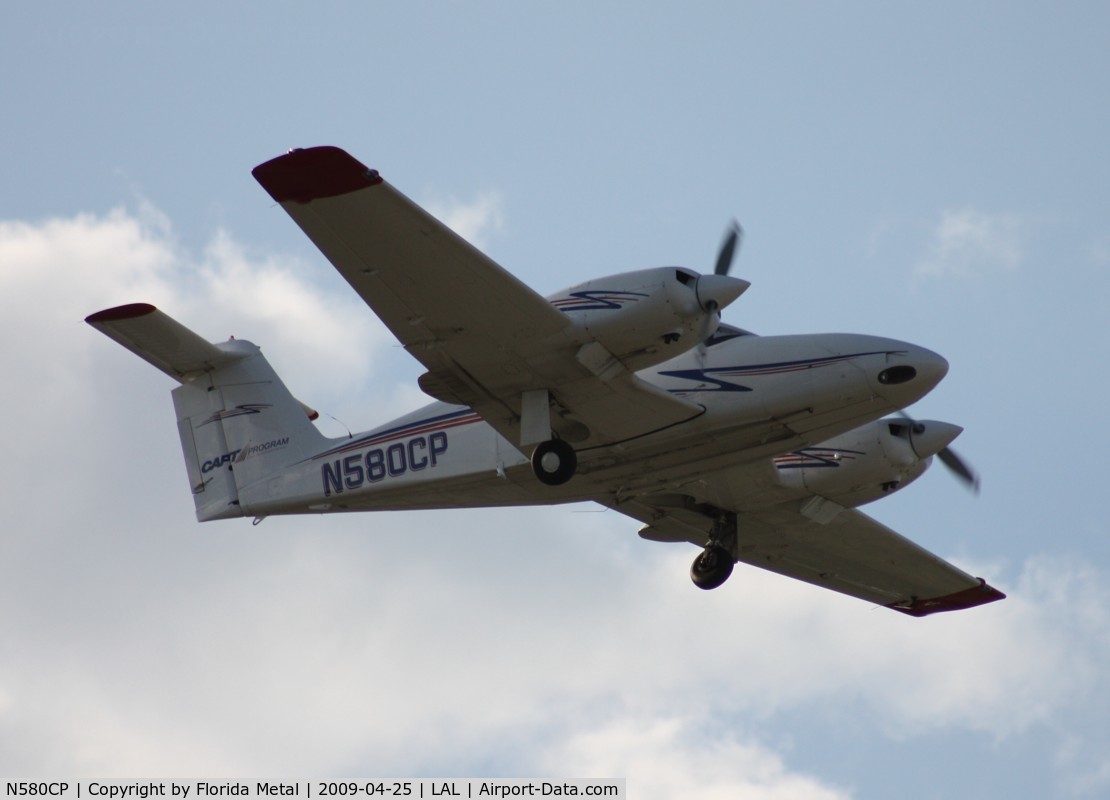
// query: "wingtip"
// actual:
[[969, 598], [117, 313], [306, 174]]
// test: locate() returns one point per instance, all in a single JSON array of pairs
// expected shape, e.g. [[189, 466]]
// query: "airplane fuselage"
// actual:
[[762, 396]]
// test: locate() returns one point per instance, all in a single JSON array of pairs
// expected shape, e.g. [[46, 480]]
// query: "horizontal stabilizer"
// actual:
[[160, 340]]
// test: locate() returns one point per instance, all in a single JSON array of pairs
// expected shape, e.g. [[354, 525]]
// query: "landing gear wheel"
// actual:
[[554, 462], [712, 567]]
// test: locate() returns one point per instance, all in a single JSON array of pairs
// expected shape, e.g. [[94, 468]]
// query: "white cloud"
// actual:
[[668, 758], [476, 221], [319, 335], [86, 259], [317, 332], [969, 242]]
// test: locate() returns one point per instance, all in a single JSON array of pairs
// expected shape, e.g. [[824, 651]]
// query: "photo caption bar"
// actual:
[[415, 789]]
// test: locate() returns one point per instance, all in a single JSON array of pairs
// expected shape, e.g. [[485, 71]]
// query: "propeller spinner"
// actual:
[[929, 437]]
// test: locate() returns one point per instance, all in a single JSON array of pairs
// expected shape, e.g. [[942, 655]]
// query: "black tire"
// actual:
[[711, 568], [554, 462]]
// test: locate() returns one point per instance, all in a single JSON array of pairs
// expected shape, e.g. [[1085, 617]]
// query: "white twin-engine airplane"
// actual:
[[625, 390]]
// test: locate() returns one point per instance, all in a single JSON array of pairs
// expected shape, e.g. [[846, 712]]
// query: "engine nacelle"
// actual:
[[646, 317], [867, 463]]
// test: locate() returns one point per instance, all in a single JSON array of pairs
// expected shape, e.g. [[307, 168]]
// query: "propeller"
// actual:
[[729, 245], [932, 438], [959, 468], [718, 290]]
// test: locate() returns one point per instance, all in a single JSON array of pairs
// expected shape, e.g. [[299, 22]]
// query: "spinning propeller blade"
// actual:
[[733, 236], [959, 468], [719, 283]]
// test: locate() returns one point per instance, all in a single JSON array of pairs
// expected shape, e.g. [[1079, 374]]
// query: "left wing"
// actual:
[[485, 337], [851, 554]]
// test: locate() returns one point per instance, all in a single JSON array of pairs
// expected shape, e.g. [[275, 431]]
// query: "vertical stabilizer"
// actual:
[[237, 421]]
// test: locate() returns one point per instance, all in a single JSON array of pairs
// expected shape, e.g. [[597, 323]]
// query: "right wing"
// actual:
[[852, 554], [858, 556], [485, 337]]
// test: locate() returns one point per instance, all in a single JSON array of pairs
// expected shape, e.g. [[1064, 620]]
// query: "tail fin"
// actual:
[[237, 422]]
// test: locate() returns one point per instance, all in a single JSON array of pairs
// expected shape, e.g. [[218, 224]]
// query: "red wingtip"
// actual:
[[129, 311], [957, 601], [304, 175]]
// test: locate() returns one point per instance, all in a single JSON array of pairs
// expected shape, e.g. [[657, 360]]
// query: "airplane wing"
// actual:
[[852, 554], [485, 337]]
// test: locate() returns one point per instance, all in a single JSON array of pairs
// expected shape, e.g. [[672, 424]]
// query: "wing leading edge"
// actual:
[[485, 337]]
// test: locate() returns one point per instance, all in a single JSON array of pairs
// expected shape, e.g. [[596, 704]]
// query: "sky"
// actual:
[[930, 172]]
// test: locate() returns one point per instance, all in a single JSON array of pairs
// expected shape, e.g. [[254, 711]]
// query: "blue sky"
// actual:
[[931, 172]]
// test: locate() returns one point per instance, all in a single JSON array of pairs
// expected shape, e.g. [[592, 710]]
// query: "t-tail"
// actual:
[[238, 423]]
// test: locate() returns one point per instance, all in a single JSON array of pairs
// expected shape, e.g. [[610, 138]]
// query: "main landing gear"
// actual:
[[714, 564], [554, 462]]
